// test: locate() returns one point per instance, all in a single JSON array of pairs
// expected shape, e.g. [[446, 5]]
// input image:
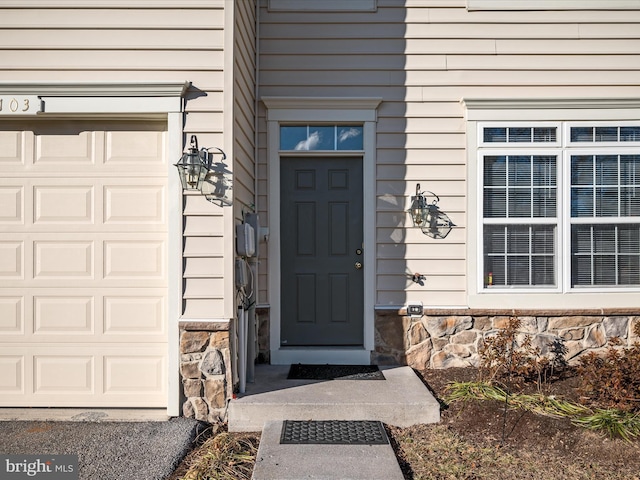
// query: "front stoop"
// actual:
[[326, 462], [401, 400]]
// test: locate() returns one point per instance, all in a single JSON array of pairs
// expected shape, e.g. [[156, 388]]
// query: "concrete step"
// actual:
[[326, 462], [401, 399]]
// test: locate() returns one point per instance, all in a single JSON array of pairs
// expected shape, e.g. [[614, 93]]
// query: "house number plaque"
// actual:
[[20, 105]]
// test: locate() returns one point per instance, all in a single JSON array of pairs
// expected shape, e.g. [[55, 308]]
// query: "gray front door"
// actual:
[[321, 251]]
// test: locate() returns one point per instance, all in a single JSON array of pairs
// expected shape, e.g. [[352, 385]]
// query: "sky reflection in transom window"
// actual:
[[321, 137]]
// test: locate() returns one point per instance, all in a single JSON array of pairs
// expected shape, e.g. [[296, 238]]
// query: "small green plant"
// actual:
[[613, 422], [612, 380]]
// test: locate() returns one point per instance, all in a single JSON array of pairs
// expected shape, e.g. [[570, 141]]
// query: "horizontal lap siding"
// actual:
[[244, 106], [423, 60], [146, 41]]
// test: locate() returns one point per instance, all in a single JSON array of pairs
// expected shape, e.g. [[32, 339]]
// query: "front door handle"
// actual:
[[358, 265]]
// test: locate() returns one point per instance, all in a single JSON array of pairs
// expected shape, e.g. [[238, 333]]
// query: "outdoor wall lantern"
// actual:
[[193, 166], [427, 216], [198, 172]]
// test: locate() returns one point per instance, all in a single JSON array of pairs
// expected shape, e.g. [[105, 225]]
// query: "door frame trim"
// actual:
[[325, 110]]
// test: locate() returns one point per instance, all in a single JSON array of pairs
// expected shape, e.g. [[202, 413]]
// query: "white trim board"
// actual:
[[331, 110]]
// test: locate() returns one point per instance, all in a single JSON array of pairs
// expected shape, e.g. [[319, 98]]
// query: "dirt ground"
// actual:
[[473, 441], [526, 445]]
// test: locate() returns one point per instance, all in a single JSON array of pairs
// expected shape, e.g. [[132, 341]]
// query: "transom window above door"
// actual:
[[321, 137], [560, 206]]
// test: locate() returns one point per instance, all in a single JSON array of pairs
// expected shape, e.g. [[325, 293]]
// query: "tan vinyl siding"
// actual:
[[244, 106], [144, 41], [423, 57]]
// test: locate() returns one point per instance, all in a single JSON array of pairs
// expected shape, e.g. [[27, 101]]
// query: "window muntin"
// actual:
[[521, 134], [520, 215], [604, 133], [596, 169], [605, 255], [519, 255], [321, 137]]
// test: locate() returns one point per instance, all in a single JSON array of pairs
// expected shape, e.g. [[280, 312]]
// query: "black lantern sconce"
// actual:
[[427, 216], [198, 172]]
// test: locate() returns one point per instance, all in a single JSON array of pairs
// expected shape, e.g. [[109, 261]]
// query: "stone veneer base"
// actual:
[[444, 338], [205, 369]]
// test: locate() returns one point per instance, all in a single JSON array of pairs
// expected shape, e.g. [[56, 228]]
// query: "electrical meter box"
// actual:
[[245, 240]]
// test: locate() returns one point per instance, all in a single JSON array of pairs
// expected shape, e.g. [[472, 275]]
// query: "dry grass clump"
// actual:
[[225, 456]]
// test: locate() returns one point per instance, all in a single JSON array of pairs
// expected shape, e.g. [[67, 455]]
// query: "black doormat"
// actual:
[[301, 371], [333, 432]]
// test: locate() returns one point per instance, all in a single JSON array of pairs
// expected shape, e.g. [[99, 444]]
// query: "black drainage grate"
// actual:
[[333, 432]]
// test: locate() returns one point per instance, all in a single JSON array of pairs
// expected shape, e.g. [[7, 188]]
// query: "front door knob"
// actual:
[[358, 265]]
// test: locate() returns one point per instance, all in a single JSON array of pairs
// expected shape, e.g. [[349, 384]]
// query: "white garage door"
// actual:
[[83, 271]]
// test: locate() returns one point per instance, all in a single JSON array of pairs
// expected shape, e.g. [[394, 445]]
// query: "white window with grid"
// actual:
[[560, 206]]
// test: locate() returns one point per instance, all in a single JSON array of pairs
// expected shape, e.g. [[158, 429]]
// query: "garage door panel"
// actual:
[[88, 315], [12, 375], [77, 375], [83, 205], [64, 204], [11, 148], [83, 260], [134, 315], [130, 373], [11, 260], [59, 259], [83, 268], [65, 149], [63, 315], [11, 205], [125, 204], [63, 374], [135, 147], [11, 316]]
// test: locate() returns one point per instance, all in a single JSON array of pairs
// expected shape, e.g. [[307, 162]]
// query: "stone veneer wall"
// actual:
[[450, 338], [205, 369]]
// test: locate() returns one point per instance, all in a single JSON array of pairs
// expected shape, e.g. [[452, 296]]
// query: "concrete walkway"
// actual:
[[327, 462], [401, 399]]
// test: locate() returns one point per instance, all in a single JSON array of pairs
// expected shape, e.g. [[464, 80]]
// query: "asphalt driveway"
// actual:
[[106, 450]]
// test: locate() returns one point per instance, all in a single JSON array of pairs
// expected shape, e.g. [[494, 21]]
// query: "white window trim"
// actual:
[[282, 110], [569, 110], [480, 5]]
